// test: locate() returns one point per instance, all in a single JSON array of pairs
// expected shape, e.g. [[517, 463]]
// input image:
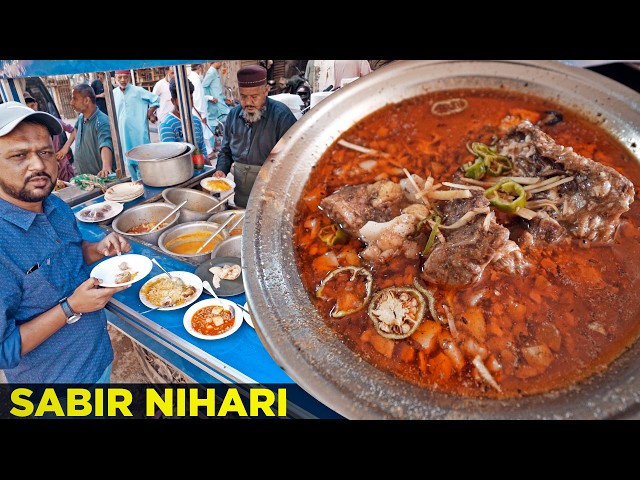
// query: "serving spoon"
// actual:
[[220, 203], [207, 286], [161, 221], [216, 232]]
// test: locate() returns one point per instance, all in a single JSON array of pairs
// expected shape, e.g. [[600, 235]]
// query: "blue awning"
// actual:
[[44, 68]]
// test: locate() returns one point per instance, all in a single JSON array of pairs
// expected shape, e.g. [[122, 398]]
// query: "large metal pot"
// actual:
[[160, 165], [295, 334], [171, 234], [148, 212], [198, 203]]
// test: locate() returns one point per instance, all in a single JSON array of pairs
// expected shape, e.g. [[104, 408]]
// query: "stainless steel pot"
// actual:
[[198, 203], [295, 334], [185, 228], [149, 212], [156, 170]]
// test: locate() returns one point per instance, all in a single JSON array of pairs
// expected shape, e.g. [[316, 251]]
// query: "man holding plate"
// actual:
[[53, 327]]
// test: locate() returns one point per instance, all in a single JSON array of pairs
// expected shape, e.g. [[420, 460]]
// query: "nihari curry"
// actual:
[[477, 242]]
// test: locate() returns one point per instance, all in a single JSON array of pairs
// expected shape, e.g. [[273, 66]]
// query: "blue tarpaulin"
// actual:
[[44, 68]]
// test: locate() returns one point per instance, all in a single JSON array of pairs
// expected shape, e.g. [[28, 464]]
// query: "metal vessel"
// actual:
[[293, 331]]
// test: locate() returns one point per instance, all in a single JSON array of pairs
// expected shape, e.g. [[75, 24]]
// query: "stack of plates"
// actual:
[[124, 192]]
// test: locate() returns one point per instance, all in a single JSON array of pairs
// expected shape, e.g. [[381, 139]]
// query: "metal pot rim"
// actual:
[[288, 324]]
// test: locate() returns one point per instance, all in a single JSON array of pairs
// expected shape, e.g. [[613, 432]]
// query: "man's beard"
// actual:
[[25, 195], [255, 116]]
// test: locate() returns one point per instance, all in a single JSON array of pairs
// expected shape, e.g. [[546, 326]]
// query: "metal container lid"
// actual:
[[157, 150]]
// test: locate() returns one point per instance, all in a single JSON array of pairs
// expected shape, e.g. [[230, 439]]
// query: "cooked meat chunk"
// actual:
[[589, 207], [123, 277], [353, 206], [467, 250], [391, 239]]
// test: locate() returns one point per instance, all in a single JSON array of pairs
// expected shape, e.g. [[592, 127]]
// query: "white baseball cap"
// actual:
[[12, 113]]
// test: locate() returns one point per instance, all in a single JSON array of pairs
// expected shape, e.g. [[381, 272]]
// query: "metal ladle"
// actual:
[[161, 221], [216, 232], [220, 203]]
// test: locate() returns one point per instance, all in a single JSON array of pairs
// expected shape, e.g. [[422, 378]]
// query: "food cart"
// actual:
[[240, 359]]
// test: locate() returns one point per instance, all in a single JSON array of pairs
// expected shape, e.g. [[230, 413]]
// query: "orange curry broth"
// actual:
[[581, 302]]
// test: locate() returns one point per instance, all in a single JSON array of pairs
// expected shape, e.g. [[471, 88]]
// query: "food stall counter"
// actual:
[[239, 359]]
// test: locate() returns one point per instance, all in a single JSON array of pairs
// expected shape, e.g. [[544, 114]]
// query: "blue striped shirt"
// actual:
[[170, 130], [77, 353]]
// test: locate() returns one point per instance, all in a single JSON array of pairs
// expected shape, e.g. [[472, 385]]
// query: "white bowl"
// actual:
[[188, 315]]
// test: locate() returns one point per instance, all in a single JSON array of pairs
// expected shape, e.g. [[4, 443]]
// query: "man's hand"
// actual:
[[113, 244], [219, 174], [89, 298]]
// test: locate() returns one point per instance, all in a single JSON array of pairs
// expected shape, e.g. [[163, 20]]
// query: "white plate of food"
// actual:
[[122, 270], [124, 192], [218, 185], [219, 316], [177, 292], [99, 212], [247, 316]]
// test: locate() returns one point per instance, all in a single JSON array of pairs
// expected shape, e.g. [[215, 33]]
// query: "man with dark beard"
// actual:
[[251, 131], [53, 328]]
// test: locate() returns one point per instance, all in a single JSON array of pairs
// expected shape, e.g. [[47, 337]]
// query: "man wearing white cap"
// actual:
[[251, 131], [52, 320]]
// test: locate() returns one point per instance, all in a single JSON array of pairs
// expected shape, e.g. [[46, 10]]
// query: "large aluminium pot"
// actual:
[[147, 212], [295, 334], [160, 165], [198, 202]]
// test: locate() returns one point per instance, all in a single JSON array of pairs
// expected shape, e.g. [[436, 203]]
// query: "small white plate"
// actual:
[[205, 303], [204, 183], [124, 192], [99, 212], [188, 278], [110, 267], [247, 317]]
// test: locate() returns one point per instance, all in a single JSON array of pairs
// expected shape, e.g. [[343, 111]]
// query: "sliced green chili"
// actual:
[[432, 236], [487, 162], [333, 235], [507, 195]]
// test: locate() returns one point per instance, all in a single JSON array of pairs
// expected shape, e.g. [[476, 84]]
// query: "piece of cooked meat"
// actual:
[[589, 207], [123, 277], [353, 206], [460, 261], [391, 239]]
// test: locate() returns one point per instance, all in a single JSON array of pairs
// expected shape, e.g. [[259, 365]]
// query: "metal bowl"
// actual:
[[160, 165], [222, 217], [296, 335], [185, 228], [229, 247], [198, 202], [149, 212]]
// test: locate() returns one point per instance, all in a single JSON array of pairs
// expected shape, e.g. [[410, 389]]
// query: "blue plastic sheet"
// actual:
[[44, 68]]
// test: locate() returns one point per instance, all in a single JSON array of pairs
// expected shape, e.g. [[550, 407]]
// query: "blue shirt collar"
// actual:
[[24, 218]]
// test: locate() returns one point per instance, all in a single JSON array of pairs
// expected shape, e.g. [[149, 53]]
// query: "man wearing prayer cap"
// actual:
[[135, 107], [251, 131]]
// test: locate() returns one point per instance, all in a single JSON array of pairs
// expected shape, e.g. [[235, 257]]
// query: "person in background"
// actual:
[[251, 131], [344, 70], [53, 326], [170, 128], [320, 75], [200, 100], [135, 107], [161, 88], [65, 170], [98, 88], [92, 134], [218, 105]]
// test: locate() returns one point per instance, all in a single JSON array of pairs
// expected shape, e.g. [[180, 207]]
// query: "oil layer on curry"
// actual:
[[476, 242]]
